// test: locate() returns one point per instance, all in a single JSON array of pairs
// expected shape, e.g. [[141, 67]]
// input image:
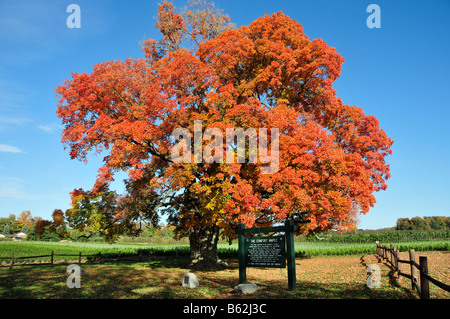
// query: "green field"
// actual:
[[33, 248], [36, 248]]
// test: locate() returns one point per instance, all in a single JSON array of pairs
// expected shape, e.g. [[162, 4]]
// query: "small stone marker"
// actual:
[[190, 280], [246, 288]]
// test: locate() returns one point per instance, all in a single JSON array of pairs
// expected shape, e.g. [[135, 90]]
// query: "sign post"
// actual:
[[241, 252], [269, 251]]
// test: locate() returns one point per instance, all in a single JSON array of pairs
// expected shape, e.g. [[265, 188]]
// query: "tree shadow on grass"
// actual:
[[100, 282], [393, 276], [15, 284], [151, 278], [161, 279]]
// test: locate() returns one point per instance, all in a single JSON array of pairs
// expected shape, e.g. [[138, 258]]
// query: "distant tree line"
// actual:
[[13, 224], [36, 228], [56, 229], [424, 224]]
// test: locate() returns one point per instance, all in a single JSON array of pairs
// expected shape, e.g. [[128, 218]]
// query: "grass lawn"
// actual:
[[332, 277]]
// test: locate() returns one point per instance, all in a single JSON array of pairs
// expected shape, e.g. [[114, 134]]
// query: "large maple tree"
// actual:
[[267, 75]]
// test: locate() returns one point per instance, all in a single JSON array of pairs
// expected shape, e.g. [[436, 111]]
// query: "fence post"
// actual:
[[424, 283], [394, 257], [391, 250], [412, 257], [99, 257], [395, 252], [79, 259], [378, 248], [12, 261], [51, 258]]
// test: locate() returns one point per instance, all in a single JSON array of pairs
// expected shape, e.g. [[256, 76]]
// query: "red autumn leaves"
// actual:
[[265, 75]]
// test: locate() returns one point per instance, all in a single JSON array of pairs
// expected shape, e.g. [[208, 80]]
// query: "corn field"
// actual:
[[23, 249]]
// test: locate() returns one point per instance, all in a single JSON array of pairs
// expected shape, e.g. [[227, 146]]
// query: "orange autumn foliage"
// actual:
[[268, 74]]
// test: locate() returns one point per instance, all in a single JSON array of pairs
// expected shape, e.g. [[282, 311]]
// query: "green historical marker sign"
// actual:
[[265, 252], [270, 251]]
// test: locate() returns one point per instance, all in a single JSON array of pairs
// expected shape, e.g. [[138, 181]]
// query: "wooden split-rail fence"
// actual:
[[420, 280], [89, 258]]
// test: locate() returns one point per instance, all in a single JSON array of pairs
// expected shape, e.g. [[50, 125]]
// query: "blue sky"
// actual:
[[399, 73]]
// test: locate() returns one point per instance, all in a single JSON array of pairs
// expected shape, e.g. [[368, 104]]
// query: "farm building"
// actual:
[[18, 236]]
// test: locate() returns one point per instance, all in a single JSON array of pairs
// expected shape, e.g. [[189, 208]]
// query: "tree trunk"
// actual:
[[203, 245]]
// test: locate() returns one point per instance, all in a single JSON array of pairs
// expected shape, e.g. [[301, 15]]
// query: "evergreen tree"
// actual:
[[6, 230]]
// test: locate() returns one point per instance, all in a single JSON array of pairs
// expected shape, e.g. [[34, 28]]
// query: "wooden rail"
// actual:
[[420, 283], [96, 257]]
